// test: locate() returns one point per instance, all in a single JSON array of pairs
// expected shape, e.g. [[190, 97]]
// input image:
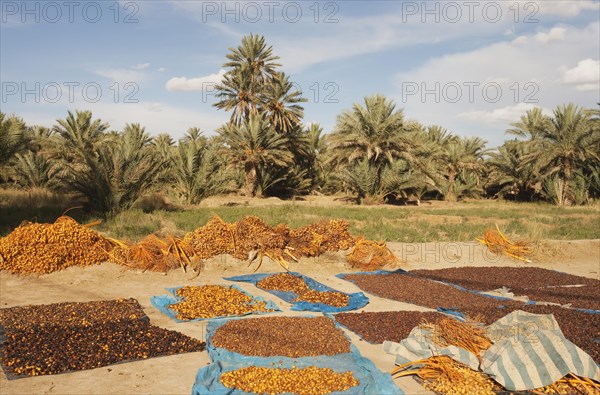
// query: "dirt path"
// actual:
[[176, 374]]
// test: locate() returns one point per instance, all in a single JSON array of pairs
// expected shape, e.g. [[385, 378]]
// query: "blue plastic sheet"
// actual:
[[164, 301], [372, 380], [355, 300], [397, 271]]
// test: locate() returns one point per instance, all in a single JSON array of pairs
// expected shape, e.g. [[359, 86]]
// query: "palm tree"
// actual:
[[41, 139], [404, 181], [459, 163], [531, 125], [194, 135], [280, 104], [34, 170], [251, 65], [317, 149], [163, 147], [508, 176], [163, 144], [13, 136], [110, 171], [253, 58], [237, 94], [375, 132], [79, 132], [361, 178], [563, 145], [256, 145], [197, 170], [252, 87]]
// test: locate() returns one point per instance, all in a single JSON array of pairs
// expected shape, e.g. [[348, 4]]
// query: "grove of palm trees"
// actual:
[[375, 153]]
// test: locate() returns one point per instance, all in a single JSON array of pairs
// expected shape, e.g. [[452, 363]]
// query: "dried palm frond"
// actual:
[[468, 335], [499, 244], [156, 254], [570, 384], [444, 375], [368, 254]]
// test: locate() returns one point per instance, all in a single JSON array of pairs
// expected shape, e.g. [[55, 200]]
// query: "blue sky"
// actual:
[[471, 66]]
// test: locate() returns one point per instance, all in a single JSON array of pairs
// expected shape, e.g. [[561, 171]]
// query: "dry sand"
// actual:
[[176, 374]]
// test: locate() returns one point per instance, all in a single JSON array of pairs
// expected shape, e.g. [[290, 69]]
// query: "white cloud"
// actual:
[[141, 66], [195, 84], [161, 69], [154, 107], [156, 117], [521, 73], [568, 8], [586, 75], [503, 115], [306, 43], [122, 75], [521, 40], [555, 34]]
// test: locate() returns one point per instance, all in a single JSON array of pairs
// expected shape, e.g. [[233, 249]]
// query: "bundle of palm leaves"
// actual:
[[570, 384], [468, 335], [497, 243], [368, 254], [156, 254], [443, 374]]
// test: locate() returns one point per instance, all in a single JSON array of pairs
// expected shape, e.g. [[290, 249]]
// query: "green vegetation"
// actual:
[[462, 221], [373, 155]]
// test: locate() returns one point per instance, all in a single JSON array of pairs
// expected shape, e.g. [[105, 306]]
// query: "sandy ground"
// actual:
[[176, 374]]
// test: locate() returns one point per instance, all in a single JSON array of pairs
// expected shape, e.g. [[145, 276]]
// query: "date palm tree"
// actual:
[[531, 125], [562, 145], [110, 170], [315, 155], [280, 103], [375, 134], [253, 88], [80, 132], [35, 170], [459, 164], [253, 58], [250, 67], [194, 135], [256, 146], [508, 176], [13, 136], [197, 169]]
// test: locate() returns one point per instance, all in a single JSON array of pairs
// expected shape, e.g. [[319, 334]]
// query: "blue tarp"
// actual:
[[355, 300], [164, 301], [372, 380], [397, 271]]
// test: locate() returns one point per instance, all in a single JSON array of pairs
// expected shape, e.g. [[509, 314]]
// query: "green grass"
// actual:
[[427, 223], [464, 222]]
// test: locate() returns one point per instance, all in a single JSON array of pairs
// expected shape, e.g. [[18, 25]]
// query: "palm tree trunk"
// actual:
[[251, 177], [567, 195], [451, 195]]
